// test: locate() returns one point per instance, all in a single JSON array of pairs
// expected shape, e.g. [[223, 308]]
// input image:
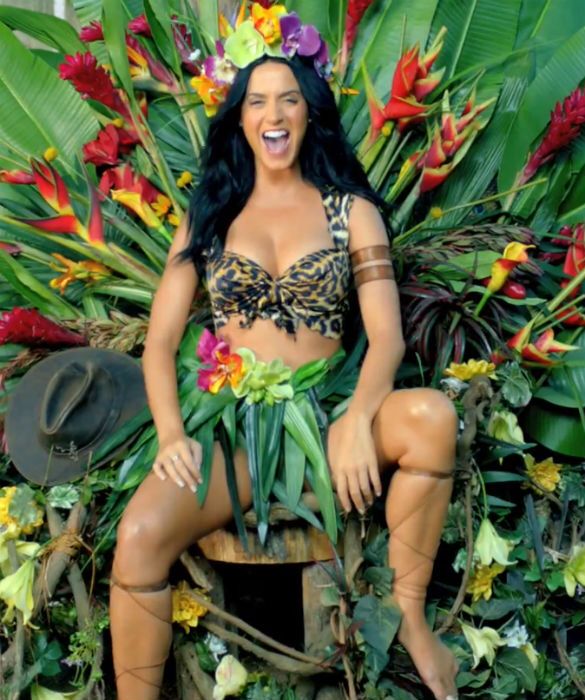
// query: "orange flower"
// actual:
[[86, 270], [266, 21], [211, 94]]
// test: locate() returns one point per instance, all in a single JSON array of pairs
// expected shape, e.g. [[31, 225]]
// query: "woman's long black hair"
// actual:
[[227, 173]]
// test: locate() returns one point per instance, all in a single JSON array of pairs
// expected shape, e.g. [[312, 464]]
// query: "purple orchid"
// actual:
[[208, 345], [305, 40]]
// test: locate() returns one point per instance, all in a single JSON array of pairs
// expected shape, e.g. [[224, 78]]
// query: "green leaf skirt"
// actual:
[[279, 417]]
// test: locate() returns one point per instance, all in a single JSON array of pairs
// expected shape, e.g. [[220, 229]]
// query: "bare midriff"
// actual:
[[268, 342]]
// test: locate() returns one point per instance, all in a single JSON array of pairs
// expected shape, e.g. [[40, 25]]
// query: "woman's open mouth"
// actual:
[[276, 141]]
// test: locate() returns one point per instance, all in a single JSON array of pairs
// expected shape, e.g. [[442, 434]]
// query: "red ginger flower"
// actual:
[[124, 178], [92, 32], [29, 327], [565, 126], [140, 25], [412, 82], [91, 80], [104, 149], [356, 9]]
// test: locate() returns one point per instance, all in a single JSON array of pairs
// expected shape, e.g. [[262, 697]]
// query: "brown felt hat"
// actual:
[[65, 407]]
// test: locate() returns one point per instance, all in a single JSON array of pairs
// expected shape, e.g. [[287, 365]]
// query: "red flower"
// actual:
[[17, 177], [104, 149], [565, 126], [139, 25], [355, 11], [91, 80], [184, 46], [29, 327], [124, 178], [51, 186], [540, 350], [92, 32]]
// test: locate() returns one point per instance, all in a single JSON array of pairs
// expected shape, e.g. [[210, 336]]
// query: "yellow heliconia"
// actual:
[[134, 202]]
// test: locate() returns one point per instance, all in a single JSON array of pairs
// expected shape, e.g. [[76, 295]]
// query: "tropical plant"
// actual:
[[468, 119]]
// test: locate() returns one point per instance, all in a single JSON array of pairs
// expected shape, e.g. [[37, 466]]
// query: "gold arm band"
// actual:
[[372, 263]]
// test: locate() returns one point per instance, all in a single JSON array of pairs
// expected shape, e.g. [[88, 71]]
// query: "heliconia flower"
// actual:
[[574, 570], [230, 678], [139, 206], [72, 270], [514, 254], [91, 80], [104, 149], [29, 327], [92, 32], [489, 547], [51, 187], [565, 126], [266, 21], [124, 178], [17, 177], [540, 350], [143, 64], [16, 590], [483, 643], [140, 25]]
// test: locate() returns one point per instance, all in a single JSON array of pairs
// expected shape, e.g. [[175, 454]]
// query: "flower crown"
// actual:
[[268, 30]]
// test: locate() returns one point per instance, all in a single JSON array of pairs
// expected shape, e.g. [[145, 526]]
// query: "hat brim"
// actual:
[[30, 456]]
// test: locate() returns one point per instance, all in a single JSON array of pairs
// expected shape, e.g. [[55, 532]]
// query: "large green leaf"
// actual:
[[47, 29], [480, 32], [559, 430], [159, 13], [555, 81], [88, 10], [28, 108], [312, 12], [114, 21], [208, 13]]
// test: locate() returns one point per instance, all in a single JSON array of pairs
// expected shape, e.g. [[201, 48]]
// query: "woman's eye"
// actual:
[[292, 101]]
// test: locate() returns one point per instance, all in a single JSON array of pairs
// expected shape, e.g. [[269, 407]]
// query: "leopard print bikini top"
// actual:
[[312, 290]]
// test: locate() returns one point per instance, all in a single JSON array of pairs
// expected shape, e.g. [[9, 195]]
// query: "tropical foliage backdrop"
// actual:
[[468, 117]]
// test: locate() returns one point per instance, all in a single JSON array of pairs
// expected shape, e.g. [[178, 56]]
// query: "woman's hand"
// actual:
[[352, 457], [180, 459]]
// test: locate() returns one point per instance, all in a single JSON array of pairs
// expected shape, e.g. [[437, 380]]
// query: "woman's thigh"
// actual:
[[162, 519]]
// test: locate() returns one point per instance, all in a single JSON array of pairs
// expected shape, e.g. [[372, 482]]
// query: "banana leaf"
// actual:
[[48, 30], [28, 107]]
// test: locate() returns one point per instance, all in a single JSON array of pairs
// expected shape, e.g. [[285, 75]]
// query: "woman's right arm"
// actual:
[[179, 457]]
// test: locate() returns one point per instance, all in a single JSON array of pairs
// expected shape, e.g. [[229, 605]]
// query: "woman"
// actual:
[[274, 149]]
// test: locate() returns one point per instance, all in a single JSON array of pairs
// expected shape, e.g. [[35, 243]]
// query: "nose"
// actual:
[[273, 112]]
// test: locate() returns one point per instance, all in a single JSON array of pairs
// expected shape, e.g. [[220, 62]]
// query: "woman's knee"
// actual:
[[431, 413], [140, 547]]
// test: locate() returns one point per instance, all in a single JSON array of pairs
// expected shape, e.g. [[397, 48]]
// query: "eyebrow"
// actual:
[[282, 94]]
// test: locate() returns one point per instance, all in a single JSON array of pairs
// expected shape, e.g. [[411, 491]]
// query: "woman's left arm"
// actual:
[[351, 450]]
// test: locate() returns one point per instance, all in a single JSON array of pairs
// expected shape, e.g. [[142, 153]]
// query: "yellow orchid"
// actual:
[[16, 590], [135, 202], [84, 270], [230, 678], [545, 474], [574, 571], [473, 368], [266, 21], [211, 94], [481, 581], [186, 610], [490, 547], [483, 643]]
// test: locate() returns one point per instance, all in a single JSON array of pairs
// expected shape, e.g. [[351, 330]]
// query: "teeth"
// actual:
[[276, 134]]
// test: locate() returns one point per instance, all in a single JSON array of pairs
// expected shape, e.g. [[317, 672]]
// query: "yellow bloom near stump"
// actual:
[[545, 474], [473, 368], [10, 526], [186, 608], [480, 583]]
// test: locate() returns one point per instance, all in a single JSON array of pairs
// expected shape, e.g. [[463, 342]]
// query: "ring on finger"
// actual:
[[175, 457]]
